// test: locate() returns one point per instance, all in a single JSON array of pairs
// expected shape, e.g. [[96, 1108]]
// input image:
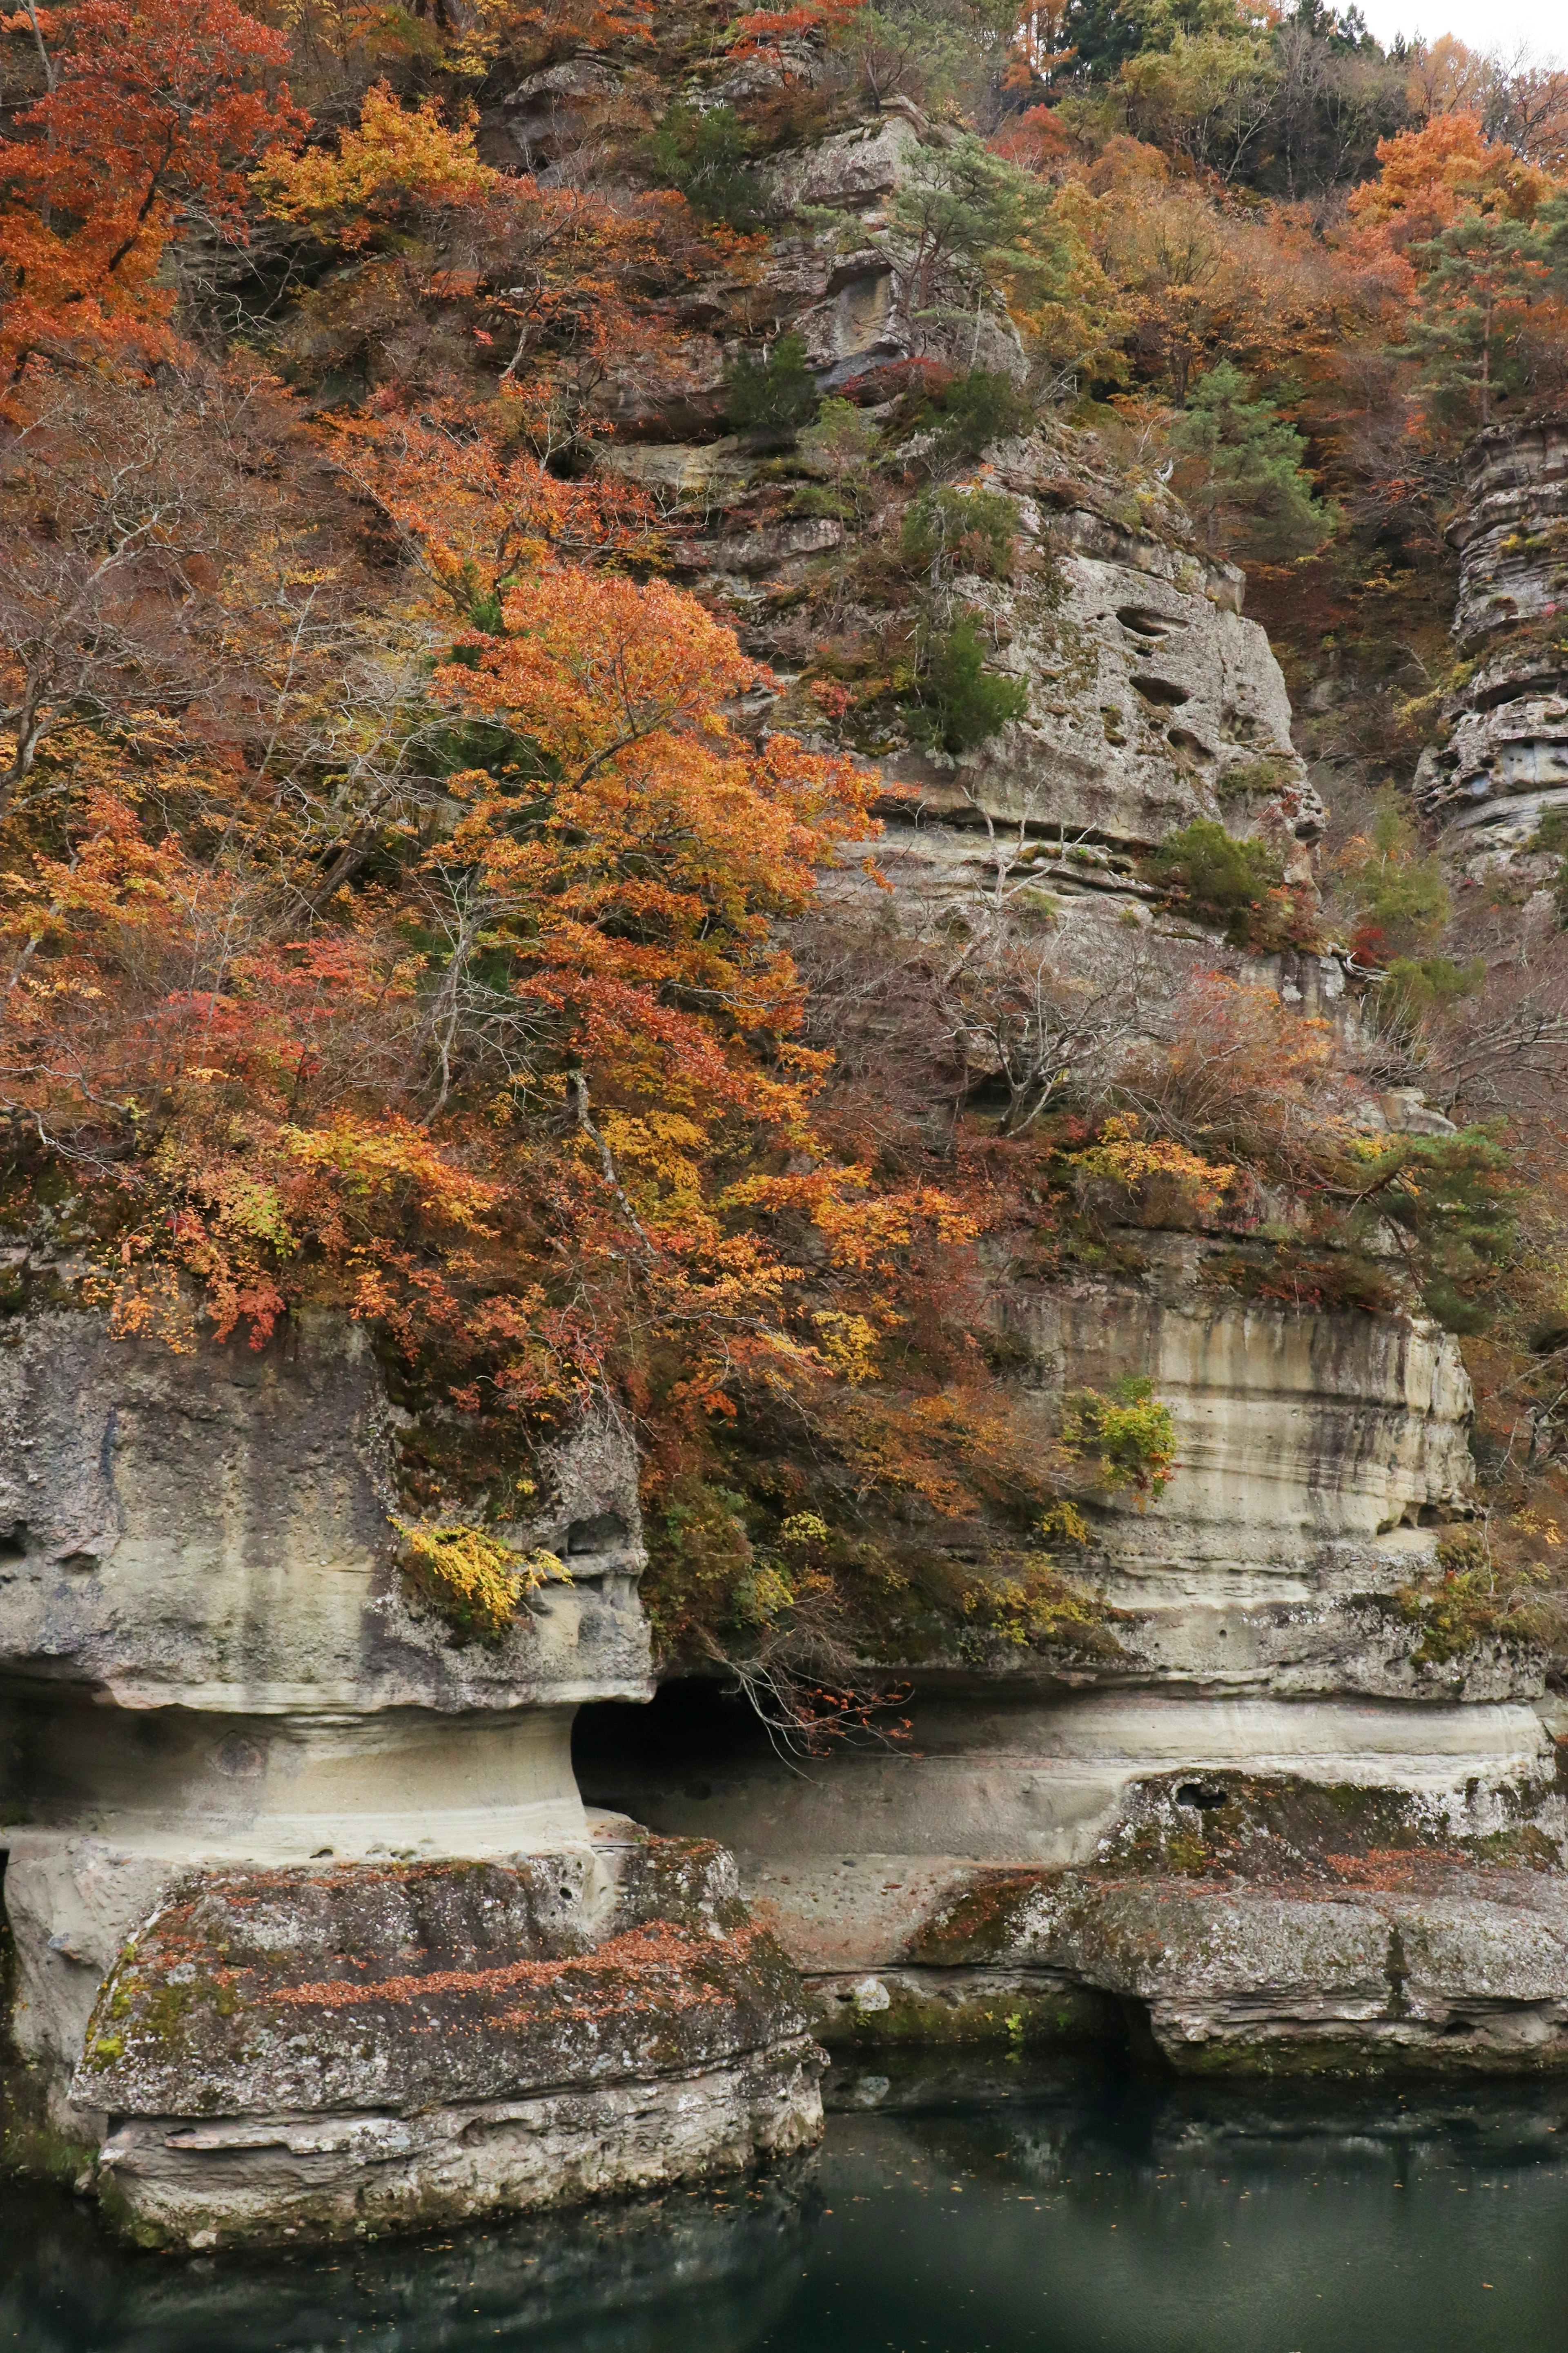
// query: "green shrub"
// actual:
[[1473, 1599], [1415, 986], [776, 394], [1455, 1197], [971, 531], [1258, 779], [843, 441], [983, 405], [704, 155], [1396, 887], [1217, 872], [1552, 834], [819, 498], [1131, 1435], [956, 703]]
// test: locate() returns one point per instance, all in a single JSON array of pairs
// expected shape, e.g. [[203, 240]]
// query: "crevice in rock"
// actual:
[[1205, 1796], [606, 1533], [1398, 1976]]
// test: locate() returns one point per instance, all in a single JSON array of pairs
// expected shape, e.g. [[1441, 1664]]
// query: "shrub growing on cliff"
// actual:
[[948, 531], [956, 702], [1455, 1200], [705, 155], [981, 405], [1218, 873], [1238, 468], [776, 394], [1160, 1179], [842, 440], [476, 1579], [1395, 888], [1128, 1437], [1476, 1597]]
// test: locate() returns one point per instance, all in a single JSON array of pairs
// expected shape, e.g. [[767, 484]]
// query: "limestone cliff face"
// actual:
[[255, 1787], [218, 1689], [214, 1533], [1312, 1447], [1503, 761], [1191, 1817], [1152, 700]]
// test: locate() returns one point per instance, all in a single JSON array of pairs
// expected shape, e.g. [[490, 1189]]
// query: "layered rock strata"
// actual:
[[347, 2049], [1265, 1818], [1264, 1822], [1501, 765], [250, 1775]]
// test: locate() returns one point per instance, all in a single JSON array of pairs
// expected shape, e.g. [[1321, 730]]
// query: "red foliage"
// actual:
[[153, 113]]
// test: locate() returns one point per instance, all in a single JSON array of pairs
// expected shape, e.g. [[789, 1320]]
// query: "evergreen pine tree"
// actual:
[[1239, 470], [1487, 282]]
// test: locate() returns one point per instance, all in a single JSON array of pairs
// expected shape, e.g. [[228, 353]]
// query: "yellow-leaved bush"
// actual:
[[474, 1578]]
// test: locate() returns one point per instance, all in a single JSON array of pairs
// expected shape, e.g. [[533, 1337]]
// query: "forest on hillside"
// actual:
[[411, 895]]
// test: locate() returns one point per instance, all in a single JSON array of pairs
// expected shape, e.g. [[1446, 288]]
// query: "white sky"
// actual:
[[1491, 25]]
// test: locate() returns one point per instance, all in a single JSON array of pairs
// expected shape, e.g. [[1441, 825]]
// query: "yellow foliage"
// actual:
[[805, 1527], [396, 156], [1124, 1157], [847, 1342], [473, 1576]]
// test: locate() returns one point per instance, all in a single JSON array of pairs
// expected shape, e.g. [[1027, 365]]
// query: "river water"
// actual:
[[979, 2209]]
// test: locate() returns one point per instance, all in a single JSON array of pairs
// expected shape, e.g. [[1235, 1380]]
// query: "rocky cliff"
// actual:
[[1501, 765], [258, 1786], [1270, 1814], [312, 1928]]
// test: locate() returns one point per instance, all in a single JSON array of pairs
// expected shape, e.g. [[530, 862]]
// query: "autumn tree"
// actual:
[[118, 502], [148, 120]]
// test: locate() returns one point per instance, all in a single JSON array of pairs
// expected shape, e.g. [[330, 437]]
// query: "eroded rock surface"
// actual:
[[355, 2048], [1151, 701], [1500, 764], [229, 1718], [1262, 1619]]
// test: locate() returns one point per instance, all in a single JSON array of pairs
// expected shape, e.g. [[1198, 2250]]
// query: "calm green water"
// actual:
[[949, 2212]]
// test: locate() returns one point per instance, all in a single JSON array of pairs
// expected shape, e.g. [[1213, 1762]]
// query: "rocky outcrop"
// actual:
[[1151, 701], [251, 1775], [1263, 1817], [313, 1931], [214, 1532], [1262, 1814], [1500, 764], [350, 2049]]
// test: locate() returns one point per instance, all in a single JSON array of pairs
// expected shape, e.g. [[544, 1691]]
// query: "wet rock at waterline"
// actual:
[[362, 2047], [310, 1928]]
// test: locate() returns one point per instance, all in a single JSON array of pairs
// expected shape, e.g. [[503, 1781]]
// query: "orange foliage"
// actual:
[[518, 1103], [562, 280], [545, 29], [761, 32], [1430, 175], [470, 515], [153, 110], [1034, 140]]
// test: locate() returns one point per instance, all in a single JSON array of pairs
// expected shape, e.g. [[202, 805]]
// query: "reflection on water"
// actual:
[[952, 2210], [633, 2278]]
